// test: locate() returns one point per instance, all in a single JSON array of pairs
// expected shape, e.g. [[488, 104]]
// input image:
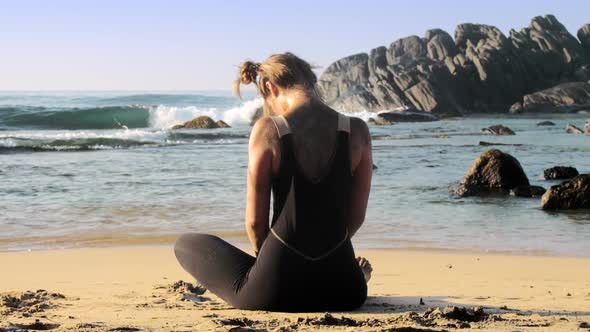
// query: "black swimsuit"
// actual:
[[307, 262]]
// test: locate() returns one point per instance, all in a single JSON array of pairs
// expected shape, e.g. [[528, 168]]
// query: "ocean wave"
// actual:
[[120, 117], [111, 117]]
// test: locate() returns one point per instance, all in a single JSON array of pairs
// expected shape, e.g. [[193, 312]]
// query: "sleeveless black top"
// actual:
[[310, 216]]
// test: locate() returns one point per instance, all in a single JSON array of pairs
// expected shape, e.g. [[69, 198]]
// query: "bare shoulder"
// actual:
[[359, 131], [264, 133]]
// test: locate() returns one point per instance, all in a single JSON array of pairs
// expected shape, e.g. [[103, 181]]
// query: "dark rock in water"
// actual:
[[407, 116], [560, 173], [379, 121], [483, 70], [566, 97], [545, 123], [499, 130], [484, 143], [493, 171], [516, 108], [571, 129], [200, 122], [528, 191], [375, 166], [572, 194], [222, 124]]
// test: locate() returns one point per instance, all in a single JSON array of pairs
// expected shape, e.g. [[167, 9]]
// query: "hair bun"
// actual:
[[249, 72]]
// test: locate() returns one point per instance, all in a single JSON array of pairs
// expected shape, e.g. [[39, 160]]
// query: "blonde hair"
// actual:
[[285, 70]]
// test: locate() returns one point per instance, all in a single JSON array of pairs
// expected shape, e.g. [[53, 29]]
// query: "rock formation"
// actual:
[[499, 130], [572, 194], [560, 173], [566, 97], [202, 122], [493, 171], [481, 70]]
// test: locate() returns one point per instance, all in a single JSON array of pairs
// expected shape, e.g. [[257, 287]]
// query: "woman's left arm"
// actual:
[[260, 159]]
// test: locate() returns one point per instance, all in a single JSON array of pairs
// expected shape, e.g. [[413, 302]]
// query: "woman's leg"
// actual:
[[216, 264]]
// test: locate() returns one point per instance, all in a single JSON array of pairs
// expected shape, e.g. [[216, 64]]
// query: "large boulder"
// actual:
[[440, 45], [202, 122], [572, 194], [493, 171], [567, 97], [560, 173], [344, 85]]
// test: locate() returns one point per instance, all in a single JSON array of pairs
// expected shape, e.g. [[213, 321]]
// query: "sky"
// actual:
[[198, 45]]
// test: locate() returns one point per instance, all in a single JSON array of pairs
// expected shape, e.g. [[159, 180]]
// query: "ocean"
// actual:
[[86, 169]]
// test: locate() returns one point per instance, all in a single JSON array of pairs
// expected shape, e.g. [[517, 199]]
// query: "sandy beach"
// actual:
[[133, 289]]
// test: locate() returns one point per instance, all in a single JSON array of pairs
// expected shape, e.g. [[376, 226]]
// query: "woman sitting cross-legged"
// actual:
[[317, 164]]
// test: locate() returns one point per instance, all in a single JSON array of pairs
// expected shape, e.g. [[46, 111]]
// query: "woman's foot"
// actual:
[[365, 267]]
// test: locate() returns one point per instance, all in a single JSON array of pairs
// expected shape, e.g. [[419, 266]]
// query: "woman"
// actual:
[[318, 165]]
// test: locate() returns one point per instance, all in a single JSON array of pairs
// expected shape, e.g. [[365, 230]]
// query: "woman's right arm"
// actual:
[[362, 165]]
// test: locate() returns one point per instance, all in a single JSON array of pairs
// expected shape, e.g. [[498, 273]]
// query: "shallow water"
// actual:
[[115, 184]]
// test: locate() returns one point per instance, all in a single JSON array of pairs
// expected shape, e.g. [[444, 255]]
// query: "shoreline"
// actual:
[[242, 243], [132, 287]]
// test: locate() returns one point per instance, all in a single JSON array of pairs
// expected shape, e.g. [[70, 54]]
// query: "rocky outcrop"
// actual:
[[571, 129], [587, 127], [202, 122], [567, 97], [493, 172], [481, 70], [573, 194], [499, 130], [560, 173]]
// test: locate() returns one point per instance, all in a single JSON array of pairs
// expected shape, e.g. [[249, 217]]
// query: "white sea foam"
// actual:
[[9, 137], [168, 116], [242, 114]]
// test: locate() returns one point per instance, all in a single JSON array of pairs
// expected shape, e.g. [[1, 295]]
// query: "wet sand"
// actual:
[[136, 289]]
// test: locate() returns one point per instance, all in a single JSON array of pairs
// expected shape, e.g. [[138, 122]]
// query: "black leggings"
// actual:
[[278, 279]]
